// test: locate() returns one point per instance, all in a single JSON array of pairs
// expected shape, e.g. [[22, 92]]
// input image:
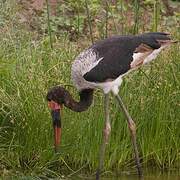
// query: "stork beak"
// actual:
[[56, 122]]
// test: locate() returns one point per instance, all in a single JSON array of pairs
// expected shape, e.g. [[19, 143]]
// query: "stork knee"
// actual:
[[106, 131], [132, 126]]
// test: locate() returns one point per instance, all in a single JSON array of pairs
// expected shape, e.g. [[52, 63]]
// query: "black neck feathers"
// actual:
[[86, 97], [62, 96]]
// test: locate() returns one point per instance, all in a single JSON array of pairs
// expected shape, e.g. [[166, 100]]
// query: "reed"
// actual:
[[155, 15], [89, 20], [49, 24], [136, 17]]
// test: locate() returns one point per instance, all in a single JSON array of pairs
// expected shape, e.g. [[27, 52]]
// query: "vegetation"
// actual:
[[30, 65]]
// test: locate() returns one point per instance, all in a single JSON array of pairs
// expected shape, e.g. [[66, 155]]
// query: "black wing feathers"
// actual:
[[151, 39], [117, 53]]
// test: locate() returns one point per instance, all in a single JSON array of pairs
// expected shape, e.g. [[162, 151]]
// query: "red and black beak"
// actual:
[[56, 118]]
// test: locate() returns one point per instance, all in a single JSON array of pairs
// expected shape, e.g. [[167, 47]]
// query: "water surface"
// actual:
[[148, 175]]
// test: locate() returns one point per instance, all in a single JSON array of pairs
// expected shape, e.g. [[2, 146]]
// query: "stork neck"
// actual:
[[86, 97]]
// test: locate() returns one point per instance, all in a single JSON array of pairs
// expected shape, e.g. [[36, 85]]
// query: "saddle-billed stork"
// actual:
[[103, 65]]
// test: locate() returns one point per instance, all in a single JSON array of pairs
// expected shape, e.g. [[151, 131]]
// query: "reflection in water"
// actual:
[[148, 175]]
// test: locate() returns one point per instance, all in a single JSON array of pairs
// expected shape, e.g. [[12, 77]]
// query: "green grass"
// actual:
[[29, 68]]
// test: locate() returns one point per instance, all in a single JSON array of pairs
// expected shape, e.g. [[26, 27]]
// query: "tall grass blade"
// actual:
[[89, 21], [107, 11], [156, 12], [49, 24], [136, 17]]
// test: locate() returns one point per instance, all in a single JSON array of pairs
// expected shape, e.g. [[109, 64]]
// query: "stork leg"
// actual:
[[132, 128], [106, 132]]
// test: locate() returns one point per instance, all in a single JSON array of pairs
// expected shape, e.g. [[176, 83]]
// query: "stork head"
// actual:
[[56, 94], [55, 97]]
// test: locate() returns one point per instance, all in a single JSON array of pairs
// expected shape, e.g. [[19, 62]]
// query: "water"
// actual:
[[148, 175], [127, 177]]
